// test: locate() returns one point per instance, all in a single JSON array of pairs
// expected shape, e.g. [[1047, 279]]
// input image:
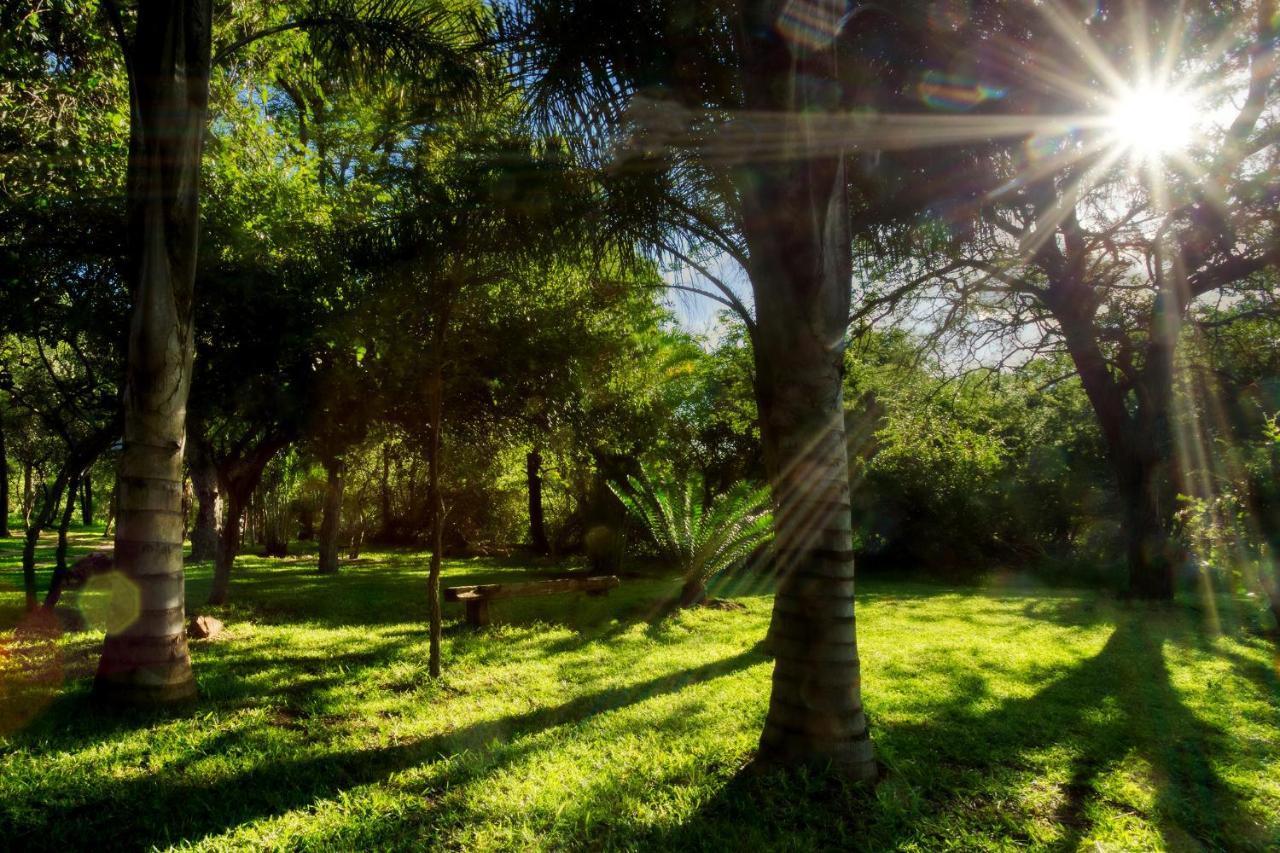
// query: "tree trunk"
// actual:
[[111, 510], [693, 592], [228, 548], [86, 499], [537, 521], [434, 498], [331, 522], [386, 488], [146, 661], [204, 482], [60, 557], [28, 494], [38, 520], [796, 226], [1149, 542], [4, 485], [1138, 447]]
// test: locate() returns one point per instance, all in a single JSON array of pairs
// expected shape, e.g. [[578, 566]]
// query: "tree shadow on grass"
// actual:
[[168, 806], [967, 760]]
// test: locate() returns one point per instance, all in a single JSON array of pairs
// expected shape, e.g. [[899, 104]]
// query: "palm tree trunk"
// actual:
[[146, 661], [692, 592], [331, 522], [796, 226]]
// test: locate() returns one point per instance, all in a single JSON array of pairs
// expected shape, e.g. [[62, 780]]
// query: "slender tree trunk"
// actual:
[[434, 498], [28, 494], [111, 510], [4, 485], [64, 525], [204, 482], [86, 499], [331, 521], [228, 548], [386, 488], [146, 661], [537, 521], [38, 520], [796, 226], [60, 567]]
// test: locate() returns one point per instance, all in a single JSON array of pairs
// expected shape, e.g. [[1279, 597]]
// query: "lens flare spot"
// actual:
[[954, 92], [110, 602], [811, 24]]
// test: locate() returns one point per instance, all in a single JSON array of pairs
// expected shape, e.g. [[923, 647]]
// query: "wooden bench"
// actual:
[[477, 597]]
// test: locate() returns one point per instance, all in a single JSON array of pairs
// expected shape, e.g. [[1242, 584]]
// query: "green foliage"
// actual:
[[954, 476], [700, 537]]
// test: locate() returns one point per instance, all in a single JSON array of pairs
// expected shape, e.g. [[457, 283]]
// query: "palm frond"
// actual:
[[701, 539]]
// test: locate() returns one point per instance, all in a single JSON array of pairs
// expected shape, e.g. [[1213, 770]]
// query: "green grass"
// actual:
[[1007, 718]]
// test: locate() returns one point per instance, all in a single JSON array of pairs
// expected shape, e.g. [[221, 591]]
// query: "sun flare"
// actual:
[[1152, 121]]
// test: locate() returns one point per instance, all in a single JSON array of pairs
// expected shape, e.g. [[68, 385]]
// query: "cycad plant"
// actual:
[[703, 538]]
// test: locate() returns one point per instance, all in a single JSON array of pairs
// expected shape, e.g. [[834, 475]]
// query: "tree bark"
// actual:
[[86, 499], [238, 479], [331, 521], [386, 488], [204, 481], [796, 226], [146, 661], [434, 498], [4, 485], [60, 556], [537, 521], [38, 520], [28, 494], [1138, 445], [692, 592], [228, 547]]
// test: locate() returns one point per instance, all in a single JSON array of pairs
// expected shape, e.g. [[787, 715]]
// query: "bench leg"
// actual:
[[478, 613]]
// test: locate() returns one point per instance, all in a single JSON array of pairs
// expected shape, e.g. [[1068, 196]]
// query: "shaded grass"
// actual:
[[1006, 718]]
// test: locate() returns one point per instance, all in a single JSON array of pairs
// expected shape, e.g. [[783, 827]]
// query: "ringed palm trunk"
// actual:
[[332, 520], [145, 658], [796, 225]]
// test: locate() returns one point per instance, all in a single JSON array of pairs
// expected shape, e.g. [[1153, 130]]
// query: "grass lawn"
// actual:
[[1006, 717]]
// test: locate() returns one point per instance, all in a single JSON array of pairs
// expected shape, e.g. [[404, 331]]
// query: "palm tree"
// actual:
[[731, 157], [701, 536], [169, 56]]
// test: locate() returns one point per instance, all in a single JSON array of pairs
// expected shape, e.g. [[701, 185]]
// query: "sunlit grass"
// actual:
[[1006, 718]]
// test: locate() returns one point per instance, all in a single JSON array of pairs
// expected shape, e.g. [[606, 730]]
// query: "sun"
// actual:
[[1152, 121]]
